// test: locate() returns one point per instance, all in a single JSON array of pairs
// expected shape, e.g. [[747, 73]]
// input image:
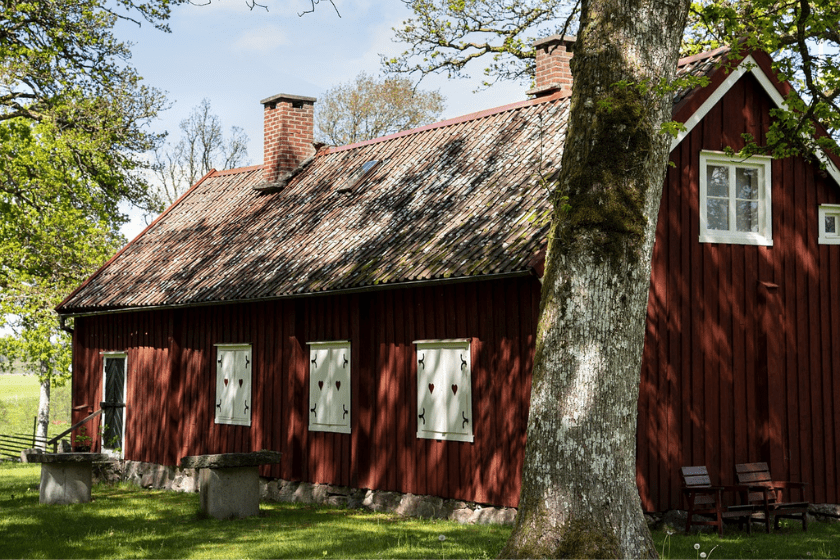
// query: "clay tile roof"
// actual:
[[462, 198], [457, 199], [699, 65]]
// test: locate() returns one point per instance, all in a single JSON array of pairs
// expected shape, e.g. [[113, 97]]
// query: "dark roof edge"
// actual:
[[130, 243], [279, 96], [556, 38], [370, 288]]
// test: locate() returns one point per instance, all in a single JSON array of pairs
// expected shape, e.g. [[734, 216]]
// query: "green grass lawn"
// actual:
[[821, 541], [19, 405], [124, 521]]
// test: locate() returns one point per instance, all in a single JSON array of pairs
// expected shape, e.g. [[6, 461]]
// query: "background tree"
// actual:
[[73, 121], [369, 107], [202, 147]]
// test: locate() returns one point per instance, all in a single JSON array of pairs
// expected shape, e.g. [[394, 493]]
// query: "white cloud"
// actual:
[[260, 39]]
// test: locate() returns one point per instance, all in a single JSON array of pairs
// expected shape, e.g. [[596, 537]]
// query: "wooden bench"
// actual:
[[66, 478], [229, 483], [766, 494], [706, 501]]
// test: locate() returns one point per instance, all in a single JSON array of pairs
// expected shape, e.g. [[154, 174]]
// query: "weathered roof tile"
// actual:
[[448, 201]]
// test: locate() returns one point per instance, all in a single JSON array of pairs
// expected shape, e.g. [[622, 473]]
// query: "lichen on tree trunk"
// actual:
[[579, 497]]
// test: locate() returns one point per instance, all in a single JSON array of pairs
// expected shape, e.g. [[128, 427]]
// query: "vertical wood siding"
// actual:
[[741, 360], [172, 380], [736, 369]]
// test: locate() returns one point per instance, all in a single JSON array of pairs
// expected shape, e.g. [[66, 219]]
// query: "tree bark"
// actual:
[[43, 422], [579, 497]]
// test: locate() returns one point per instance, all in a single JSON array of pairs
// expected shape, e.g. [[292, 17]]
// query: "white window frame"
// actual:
[[330, 402], [123, 356], [240, 414], [827, 238], [441, 413], [764, 235]]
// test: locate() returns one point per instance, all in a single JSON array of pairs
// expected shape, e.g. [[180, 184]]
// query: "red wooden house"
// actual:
[[370, 310]]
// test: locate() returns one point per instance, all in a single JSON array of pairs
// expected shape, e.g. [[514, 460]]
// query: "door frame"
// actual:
[[106, 356]]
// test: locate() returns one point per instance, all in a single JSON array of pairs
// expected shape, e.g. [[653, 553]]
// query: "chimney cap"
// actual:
[[568, 40], [287, 97]]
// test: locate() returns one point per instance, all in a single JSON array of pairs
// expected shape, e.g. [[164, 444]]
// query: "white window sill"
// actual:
[[233, 421], [736, 239], [469, 438]]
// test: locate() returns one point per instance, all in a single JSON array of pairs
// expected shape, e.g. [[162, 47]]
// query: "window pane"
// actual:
[[746, 183], [746, 215], [831, 224], [717, 177], [717, 214]]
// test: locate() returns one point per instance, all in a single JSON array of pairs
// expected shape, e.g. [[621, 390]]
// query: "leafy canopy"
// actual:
[[47, 242], [446, 35], [74, 119]]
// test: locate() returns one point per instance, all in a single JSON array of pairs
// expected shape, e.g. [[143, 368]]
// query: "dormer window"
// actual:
[[359, 175]]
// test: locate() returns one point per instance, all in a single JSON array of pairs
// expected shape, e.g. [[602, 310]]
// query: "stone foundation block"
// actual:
[[230, 492], [65, 483]]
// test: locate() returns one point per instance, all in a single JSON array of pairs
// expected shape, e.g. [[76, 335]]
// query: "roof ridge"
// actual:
[[701, 56], [236, 170], [453, 121]]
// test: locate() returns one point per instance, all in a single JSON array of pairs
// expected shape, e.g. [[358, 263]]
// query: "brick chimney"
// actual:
[[287, 134], [553, 70]]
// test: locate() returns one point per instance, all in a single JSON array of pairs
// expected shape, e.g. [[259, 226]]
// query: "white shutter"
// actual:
[[224, 384], [233, 384], [426, 359], [340, 370], [329, 386], [444, 390], [241, 413], [319, 384]]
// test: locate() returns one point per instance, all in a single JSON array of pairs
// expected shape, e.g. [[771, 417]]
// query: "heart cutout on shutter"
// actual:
[[454, 389], [240, 383], [226, 381], [431, 387], [337, 385], [321, 385]]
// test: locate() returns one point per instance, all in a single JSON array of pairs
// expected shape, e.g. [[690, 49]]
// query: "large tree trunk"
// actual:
[[43, 422], [579, 496]]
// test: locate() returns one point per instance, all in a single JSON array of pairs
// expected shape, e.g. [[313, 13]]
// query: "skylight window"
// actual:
[[358, 175]]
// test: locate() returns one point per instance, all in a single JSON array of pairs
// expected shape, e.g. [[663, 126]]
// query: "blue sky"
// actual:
[[235, 56]]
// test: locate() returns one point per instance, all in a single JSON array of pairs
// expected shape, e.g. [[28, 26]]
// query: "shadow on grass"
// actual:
[[126, 522]]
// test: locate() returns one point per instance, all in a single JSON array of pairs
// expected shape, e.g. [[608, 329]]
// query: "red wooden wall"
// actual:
[[742, 361], [171, 384]]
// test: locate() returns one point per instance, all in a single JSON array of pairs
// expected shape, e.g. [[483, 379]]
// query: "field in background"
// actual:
[[19, 405]]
